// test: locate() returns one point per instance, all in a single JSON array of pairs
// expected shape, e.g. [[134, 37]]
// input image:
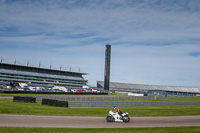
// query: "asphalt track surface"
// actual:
[[7, 120]]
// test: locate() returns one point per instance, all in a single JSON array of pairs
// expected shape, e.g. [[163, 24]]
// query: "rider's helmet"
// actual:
[[114, 108]]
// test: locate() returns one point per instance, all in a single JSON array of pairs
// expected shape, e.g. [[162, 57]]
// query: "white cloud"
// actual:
[[71, 33], [128, 23]]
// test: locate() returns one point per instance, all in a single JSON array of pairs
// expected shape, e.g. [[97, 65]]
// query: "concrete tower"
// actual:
[[107, 68]]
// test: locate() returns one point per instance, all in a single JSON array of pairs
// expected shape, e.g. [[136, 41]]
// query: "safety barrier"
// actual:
[[104, 101], [98, 101], [56, 103], [105, 98], [24, 99], [128, 104]]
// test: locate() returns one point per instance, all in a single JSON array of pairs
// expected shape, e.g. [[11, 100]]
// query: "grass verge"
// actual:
[[7, 106], [102, 130]]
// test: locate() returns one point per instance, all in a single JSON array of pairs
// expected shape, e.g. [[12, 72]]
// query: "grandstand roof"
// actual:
[[134, 87], [37, 68]]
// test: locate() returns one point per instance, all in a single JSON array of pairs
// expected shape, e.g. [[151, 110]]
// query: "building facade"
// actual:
[[151, 89]]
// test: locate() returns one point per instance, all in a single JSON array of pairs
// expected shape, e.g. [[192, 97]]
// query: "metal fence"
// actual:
[[128, 104], [104, 98], [103, 101]]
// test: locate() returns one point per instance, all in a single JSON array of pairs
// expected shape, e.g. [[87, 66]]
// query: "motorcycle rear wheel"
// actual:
[[109, 119]]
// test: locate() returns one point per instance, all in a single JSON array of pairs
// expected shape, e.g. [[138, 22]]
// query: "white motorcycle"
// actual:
[[114, 116]]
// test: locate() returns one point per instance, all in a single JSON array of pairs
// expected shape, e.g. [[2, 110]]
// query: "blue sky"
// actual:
[[154, 42]]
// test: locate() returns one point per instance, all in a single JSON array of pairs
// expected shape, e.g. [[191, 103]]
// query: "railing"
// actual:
[[128, 104], [107, 101], [106, 98]]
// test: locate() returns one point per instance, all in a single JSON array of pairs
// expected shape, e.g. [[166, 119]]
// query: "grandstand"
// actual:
[[10, 73], [151, 89]]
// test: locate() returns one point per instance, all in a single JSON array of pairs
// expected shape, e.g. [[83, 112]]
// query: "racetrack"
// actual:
[[7, 120]]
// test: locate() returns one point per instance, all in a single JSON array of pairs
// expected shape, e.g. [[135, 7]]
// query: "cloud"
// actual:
[[133, 23], [155, 42]]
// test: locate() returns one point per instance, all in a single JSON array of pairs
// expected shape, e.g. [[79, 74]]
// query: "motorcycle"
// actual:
[[114, 116]]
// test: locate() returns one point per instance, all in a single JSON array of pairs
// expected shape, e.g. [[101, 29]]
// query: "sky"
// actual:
[[154, 42]]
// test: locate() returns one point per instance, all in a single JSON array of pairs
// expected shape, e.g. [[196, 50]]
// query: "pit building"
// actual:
[[151, 89]]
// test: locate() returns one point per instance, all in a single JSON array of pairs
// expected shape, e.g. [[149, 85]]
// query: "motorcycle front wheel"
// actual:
[[127, 120]]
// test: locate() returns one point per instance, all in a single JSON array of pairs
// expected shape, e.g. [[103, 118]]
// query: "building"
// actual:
[[151, 89], [10, 73]]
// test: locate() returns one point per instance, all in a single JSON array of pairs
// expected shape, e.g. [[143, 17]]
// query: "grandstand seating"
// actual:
[[10, 72]]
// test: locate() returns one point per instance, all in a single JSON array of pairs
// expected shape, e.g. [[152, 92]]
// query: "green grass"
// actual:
[[102, 130], [7, 106]]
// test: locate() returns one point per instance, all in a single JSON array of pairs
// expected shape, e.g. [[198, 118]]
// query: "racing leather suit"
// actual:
[[119, 112]]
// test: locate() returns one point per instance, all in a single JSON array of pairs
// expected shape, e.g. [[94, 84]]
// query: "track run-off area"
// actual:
[[9, 120]]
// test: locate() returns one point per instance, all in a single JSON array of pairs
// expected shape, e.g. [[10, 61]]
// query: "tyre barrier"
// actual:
[[24, 99], [56, 103]]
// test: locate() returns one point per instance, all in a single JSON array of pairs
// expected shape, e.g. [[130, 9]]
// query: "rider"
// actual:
[[117, 110]]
